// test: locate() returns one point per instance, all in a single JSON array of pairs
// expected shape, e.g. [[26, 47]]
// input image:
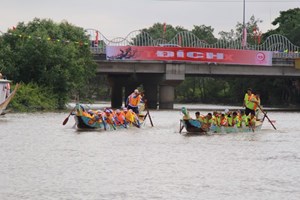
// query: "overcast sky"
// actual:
[[117, 18]]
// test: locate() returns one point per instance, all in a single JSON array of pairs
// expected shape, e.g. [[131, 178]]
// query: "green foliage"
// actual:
[[251, 25], [205, 33], [157, 31], [31, 97], [50, 55], [288, 25]]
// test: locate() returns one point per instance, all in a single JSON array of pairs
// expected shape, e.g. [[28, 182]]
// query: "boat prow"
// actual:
[[4, 99]]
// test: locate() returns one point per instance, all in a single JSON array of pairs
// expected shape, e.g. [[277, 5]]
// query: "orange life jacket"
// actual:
[[120, 118], [134, 100]]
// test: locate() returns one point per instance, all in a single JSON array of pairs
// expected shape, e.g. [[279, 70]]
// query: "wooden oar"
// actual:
[[265, 114], [180, 127], [136, 125], [67, 118], [252, 128], [103, 122], [148, 114]]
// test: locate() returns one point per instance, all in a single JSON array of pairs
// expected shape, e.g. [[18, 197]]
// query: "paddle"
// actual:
[[103, 122], [148, 113], [67, 118], [180, 127], [252, 128], [265, 114], [136, 125]]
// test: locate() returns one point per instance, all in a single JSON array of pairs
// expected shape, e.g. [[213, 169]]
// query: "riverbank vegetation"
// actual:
[[54, 63]]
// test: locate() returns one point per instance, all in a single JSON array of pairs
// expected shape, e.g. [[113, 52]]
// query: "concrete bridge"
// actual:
[[160, 77]]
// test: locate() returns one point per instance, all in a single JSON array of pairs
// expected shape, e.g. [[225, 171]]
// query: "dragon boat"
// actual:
[[86, 119], [195, 127]]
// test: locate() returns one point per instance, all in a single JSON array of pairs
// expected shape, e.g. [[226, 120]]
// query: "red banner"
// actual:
[[204, 55]]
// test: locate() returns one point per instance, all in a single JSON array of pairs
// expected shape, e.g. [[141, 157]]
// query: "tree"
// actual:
[[288, 25], [285, 91], [52, 55], [205, 33], [251, 25]]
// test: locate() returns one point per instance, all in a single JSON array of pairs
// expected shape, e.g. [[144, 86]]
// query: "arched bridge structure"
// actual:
[[160, 76]]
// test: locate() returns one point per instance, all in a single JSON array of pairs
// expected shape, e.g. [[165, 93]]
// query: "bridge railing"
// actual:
[[280, 45]]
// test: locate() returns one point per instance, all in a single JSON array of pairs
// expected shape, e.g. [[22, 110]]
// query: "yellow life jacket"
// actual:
[[251, 105], [129, 116]]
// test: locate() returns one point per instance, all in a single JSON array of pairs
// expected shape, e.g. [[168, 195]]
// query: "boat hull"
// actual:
[[87, 123], [194, 127]]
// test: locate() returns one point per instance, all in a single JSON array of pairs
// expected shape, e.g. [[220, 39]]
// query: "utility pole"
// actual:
[[244, 31]]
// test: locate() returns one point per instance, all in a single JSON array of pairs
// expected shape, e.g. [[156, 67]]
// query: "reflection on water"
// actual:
[[42, 159]]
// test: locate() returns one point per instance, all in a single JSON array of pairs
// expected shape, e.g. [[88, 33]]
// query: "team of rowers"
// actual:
[[227, 119], [112, 117], [239, 118], [120, 117]]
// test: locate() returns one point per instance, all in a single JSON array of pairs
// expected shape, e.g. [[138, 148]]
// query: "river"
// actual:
[[42, 159]]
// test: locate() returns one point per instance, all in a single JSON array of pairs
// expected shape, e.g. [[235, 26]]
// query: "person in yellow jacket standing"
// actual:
[[133, 101], [250, 102]]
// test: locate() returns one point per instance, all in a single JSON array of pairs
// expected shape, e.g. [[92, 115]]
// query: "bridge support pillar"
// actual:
[[151, 91], [116, 96], [116, 91], [166, 96], [175, 74]]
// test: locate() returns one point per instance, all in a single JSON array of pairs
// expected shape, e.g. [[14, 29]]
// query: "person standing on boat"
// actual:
[[250, 102], [133, 101]]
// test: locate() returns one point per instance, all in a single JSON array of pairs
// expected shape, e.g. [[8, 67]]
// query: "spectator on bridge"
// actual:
[[133, 101]]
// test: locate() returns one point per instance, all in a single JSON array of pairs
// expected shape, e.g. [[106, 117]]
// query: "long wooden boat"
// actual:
[[4, 99], [193, 126], [85, 121]]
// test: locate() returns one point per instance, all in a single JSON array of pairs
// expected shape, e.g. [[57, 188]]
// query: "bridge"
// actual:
[[159, 77]]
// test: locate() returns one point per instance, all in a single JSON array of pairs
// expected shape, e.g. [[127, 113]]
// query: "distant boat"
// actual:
[[4, 99]]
